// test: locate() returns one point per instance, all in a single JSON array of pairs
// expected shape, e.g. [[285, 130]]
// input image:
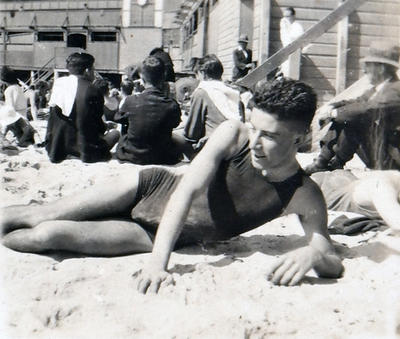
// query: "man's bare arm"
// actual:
[[319, 254], [196, 179], [385, 197]]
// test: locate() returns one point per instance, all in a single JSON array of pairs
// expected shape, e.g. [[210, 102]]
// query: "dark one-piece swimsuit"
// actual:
[[238, 199]]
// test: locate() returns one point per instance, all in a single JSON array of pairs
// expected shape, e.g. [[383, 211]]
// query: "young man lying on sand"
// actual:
[[243, 178], [376, 194]]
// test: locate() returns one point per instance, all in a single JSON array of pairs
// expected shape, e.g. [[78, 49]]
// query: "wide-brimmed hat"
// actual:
[[384, 52], [243, 38], [8, 115]]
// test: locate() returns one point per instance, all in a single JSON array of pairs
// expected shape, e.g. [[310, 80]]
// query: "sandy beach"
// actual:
[[220, 289]]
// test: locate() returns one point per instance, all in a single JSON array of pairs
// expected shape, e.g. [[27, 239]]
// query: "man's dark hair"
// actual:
[[101, 85], [289, 100], [211, 66], [8, 75], [291, 10], [152, 70], [194, 64], [127, 87], [77, 63], [159, 52], [41, 85]]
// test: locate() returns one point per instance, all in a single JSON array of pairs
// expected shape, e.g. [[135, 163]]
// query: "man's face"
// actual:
[[374, 72], [243, 44], [89, 73], [272, 142], [288, 16]]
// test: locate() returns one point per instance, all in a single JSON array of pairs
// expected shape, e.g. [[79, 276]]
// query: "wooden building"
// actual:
[[329, 64], [38, 35]]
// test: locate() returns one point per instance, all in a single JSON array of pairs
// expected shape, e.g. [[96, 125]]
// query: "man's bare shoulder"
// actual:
[[232, 127], [225, 141], [308, 198]]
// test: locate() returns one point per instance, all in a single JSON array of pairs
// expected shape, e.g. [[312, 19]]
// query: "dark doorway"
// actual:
[[76, 40]]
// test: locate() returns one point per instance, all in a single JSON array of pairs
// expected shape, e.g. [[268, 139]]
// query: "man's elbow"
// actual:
[[334, 270]]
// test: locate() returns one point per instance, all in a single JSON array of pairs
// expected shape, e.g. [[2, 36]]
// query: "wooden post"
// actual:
[[265, 20], [341, 59], [5, 38], [308, 36], [206, 9]]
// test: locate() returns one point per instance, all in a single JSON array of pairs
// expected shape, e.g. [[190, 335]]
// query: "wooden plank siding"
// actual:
[[223, 33], [318, 62], [375, 19]]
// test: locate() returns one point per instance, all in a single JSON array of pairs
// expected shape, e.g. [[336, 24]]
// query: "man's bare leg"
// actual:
[[102, 237], [112, 197]]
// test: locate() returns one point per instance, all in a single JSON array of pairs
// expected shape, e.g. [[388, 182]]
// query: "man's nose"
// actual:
[[254, 140]]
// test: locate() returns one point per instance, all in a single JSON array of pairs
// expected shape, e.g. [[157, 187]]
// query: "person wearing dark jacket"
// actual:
[[75, 126], [151, 117], [369, 125], [242, 59]]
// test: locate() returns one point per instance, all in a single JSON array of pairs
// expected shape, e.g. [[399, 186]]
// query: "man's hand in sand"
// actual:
[[150, 280], [288, 270]]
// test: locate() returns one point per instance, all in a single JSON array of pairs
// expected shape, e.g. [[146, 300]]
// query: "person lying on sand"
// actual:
[[375, 194], [243, 178]]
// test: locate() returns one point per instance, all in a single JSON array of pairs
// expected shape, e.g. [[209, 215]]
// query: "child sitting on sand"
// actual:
[[12, 121]]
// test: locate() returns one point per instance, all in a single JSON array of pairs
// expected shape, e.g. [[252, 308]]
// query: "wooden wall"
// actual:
[[222, 36], [375, 19]]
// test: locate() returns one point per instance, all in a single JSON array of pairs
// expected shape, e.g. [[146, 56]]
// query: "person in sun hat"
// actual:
[[369, 125], [242, 58], [12, 121]]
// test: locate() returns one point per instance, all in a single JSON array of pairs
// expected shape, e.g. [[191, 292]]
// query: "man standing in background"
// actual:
[[290, 30], [242, 59]]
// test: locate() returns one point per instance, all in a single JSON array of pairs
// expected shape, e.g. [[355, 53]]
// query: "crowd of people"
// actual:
[[241, 145]]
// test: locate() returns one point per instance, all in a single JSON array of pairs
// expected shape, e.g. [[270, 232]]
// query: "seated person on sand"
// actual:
[[242, 178], [14, 94], [75, 126], [169, 73], [126, 90], [212, 103], [369, 125], [150, 117], [12, 121], [111, 103], [375, 194]]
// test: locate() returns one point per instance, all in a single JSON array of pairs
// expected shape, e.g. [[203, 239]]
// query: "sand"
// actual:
[[220, 289]]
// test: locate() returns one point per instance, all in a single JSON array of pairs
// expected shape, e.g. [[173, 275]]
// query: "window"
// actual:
[[50, 36], [103, 36]]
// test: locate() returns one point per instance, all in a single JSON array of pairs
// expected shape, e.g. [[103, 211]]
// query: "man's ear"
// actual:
[[299, 139]]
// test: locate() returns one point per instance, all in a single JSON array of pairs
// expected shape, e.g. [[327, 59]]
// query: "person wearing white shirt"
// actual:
[[290, 30], [14, 94]]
